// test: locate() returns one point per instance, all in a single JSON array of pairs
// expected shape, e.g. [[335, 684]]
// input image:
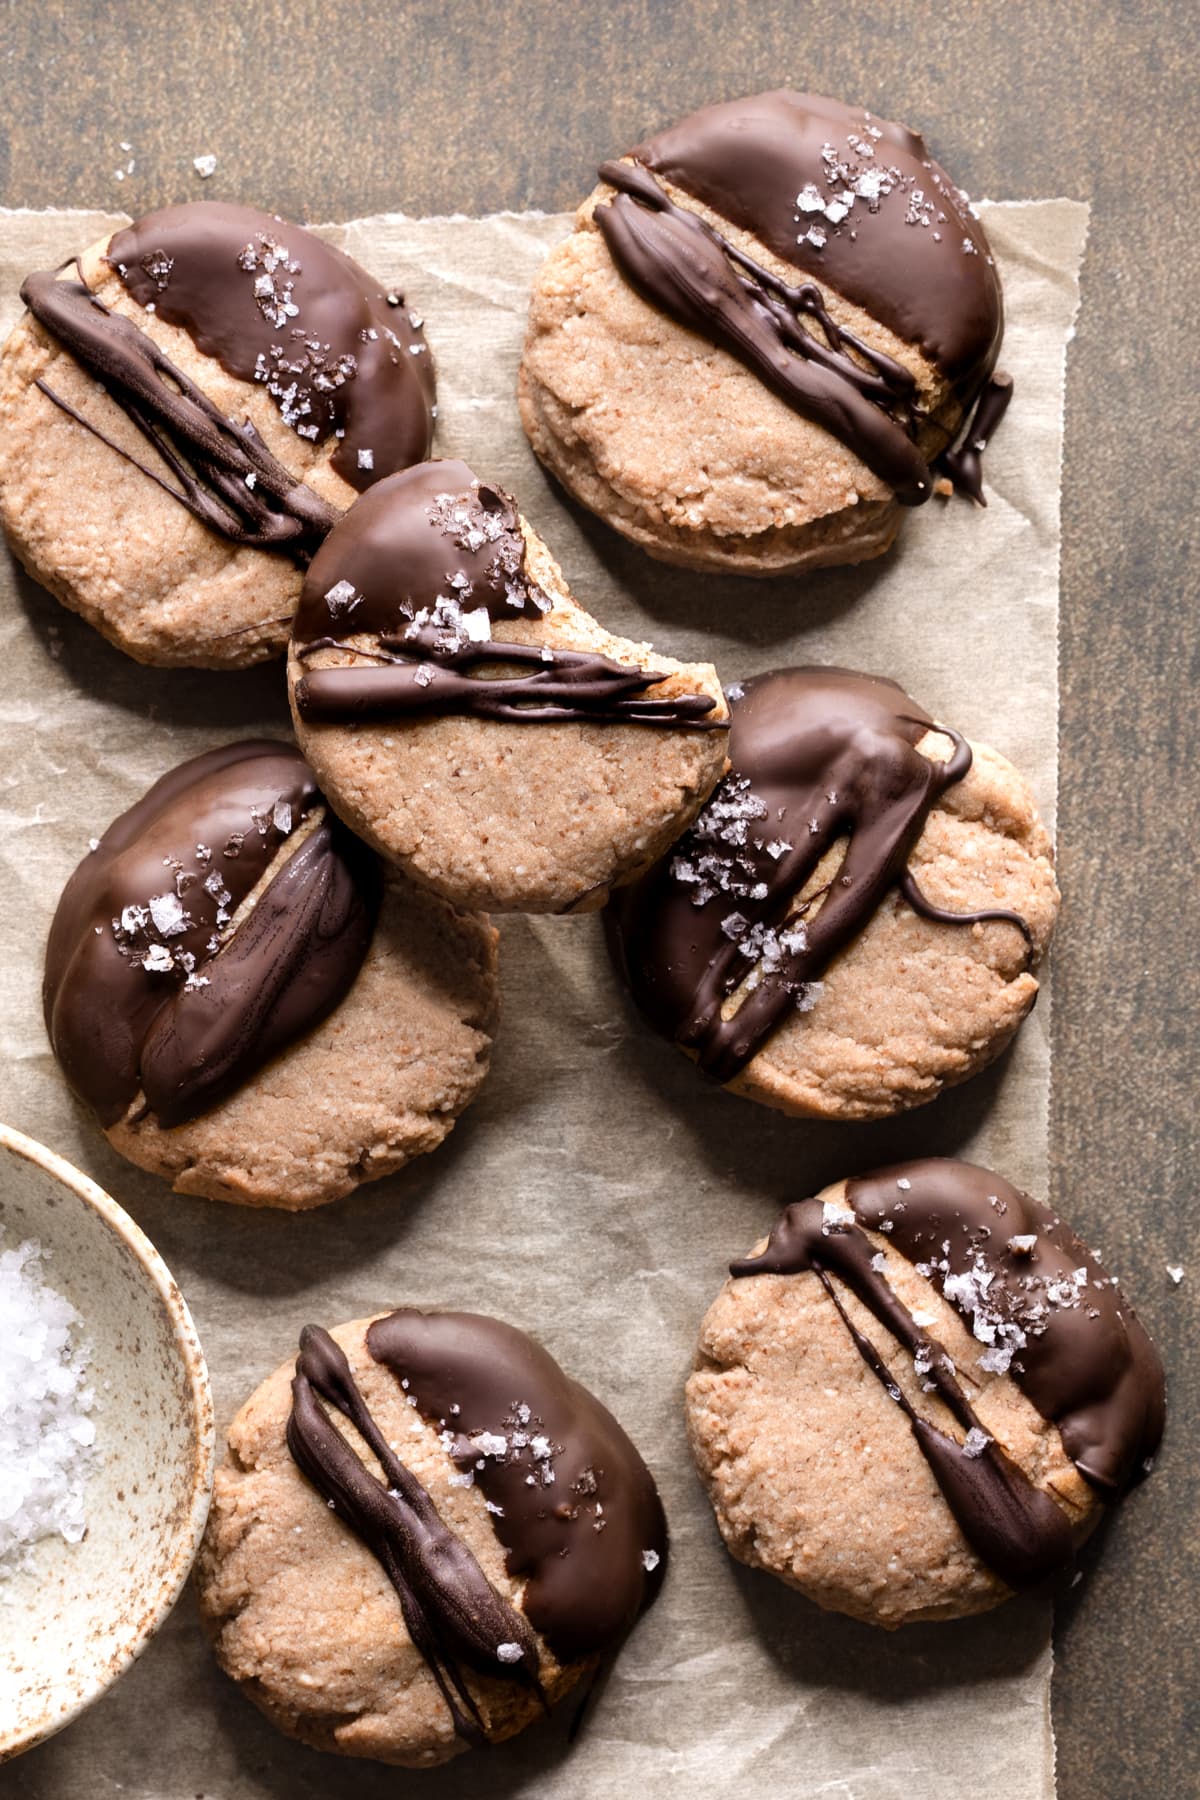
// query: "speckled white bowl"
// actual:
[[75, 1620]]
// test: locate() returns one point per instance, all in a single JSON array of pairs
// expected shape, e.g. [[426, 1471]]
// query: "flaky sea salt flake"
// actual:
[[166, 910]]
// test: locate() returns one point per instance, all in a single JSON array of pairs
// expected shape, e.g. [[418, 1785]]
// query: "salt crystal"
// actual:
[[650, 1561], [975, 1442], [1176, 1272], [46, 1435], [490, 1443], [158, 960], [509, 1653], [342, 597], [366, 459], [168, 915], [281, 817], [204, 166]]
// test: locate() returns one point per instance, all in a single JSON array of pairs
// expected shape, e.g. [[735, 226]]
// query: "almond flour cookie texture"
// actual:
[[851, 924], [918, 1395], [186, 410], [469, 719], [767, 326], [250, 1005], [422, 1537]]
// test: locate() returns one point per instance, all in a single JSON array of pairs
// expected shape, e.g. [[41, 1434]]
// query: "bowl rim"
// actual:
[[187, 1344]]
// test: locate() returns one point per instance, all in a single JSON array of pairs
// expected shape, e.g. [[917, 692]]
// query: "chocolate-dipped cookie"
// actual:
[[852, 922], [469, 719], [251, 1007], [763, 338], [919, 1394], [187, 409], [423, 1535]]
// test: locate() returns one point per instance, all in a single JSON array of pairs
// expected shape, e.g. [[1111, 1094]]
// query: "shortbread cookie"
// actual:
[[919, 1394], [186, 410], [427, 1541], [768, 323], [850, 925], [466, 716], [251, 1009]]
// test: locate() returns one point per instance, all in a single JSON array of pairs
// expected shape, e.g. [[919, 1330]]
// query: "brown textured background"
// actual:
[[336, 109]]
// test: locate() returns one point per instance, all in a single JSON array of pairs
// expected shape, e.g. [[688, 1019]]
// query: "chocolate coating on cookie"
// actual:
[[422, 566], [150, 986], [587, 1533], [275, 305], [1060, 1326], [1031, 1291], [820, 756], [452, 1611], [854, 202], [569, 1497], [222, 472]]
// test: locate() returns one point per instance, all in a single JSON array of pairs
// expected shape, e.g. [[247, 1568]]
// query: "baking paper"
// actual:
[[596, 1191]]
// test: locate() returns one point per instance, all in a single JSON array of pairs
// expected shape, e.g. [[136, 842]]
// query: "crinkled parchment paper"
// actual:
[[596, 1191]]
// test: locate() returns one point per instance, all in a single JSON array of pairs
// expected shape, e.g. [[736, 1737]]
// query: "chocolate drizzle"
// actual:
[[820, 756], [853, 202], [409, 584], [337, 355], [1078, 1350], [1039, 1302], [568, 1496], [453, 1613], [224, 474], [153, 985]]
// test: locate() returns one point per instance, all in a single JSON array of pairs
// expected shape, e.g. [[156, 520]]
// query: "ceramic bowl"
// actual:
[[73, 1621]]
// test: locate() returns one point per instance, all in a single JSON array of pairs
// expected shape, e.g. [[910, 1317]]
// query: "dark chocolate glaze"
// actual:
[[570, 1499], [421, 566], [682, 265], [275, 305], [819, 755], [899, 241], [453, 1613], [1015, 1528], [580, 1515], [146, 989], [1079, 1350], [223, 472], [1073, 1346]]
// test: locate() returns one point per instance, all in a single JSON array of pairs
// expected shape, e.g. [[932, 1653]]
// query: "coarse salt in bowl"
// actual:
[[107, 1440]]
